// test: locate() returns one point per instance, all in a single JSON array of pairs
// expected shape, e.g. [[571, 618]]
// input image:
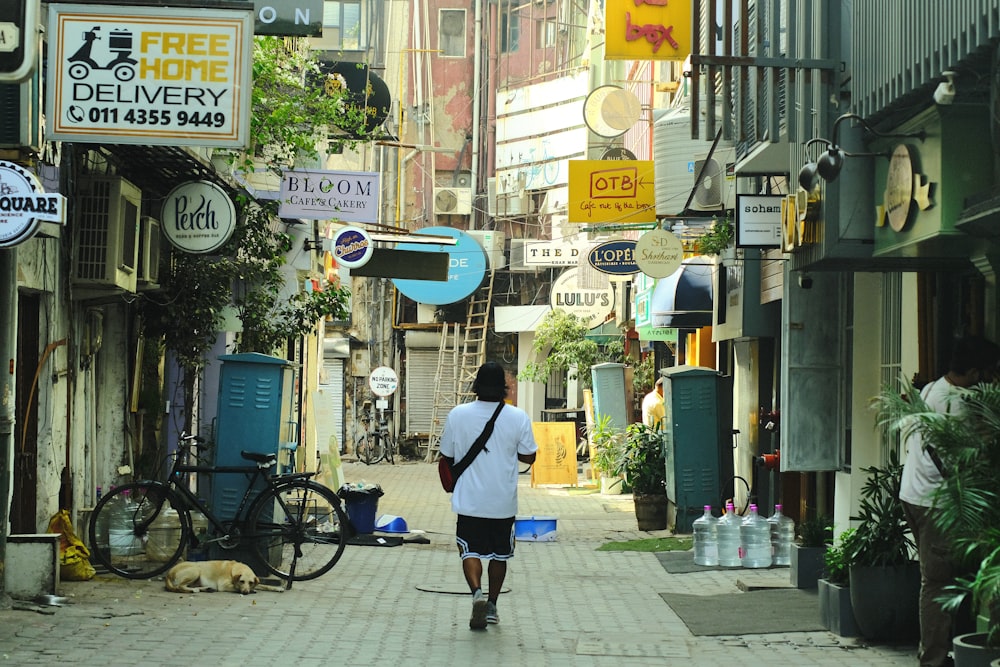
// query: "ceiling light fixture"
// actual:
[[831, 161]]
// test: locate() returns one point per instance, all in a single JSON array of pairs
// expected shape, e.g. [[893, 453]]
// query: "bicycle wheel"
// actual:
[[298, 521], [369, 448], [139, 530], [389, 448]]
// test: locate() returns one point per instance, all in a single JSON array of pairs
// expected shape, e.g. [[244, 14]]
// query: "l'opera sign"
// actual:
[[24, 205], [616, 257]]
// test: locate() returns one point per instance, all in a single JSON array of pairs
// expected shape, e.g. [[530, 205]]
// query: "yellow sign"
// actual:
[[555, 462], [611, 191], [647, 29]]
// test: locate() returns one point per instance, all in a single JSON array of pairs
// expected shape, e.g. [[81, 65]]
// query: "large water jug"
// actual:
[[755, 540], [727, 531], [121, 527], [706, 545], [782, 537]]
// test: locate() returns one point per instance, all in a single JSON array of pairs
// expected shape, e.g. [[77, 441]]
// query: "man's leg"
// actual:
[[496, 572], [937, 570], [472, 568]]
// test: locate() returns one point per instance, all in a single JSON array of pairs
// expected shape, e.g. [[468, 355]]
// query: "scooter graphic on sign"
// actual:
[[119, 44]]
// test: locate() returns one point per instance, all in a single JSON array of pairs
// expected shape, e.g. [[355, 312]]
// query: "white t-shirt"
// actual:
[[488, 487], [920, 476]]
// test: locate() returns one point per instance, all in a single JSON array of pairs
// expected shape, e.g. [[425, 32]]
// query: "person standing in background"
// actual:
[[973, 360], [485, 495], [653, 409]]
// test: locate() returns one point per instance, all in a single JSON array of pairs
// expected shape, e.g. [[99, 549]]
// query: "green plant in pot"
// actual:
[[806, 564], [836, 613], [607, 441], [640, 458], [966, 503], [884, 581]]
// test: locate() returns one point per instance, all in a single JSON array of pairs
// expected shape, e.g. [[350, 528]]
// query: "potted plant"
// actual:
[[607, 441], [884, 581], [806, 563], [640, 457], [968, 446], [835, 609]]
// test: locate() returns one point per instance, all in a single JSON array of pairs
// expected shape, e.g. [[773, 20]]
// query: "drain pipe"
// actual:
[[8, 351]]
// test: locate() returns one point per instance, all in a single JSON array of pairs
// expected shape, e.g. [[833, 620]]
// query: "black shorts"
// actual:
[[492, 539]]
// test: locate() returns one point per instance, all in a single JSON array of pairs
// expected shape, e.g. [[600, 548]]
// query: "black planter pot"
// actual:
[[650, 510], [806, 565], [971, 651], [886, 601], [835, 611]]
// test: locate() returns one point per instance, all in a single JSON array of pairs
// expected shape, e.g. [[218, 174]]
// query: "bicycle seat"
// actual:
[[258, 457]]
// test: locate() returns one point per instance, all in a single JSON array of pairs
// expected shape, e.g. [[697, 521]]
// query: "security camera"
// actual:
[[805, 281], [944, 94]]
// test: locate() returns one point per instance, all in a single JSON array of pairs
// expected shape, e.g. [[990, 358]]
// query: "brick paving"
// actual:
[[567, 604]]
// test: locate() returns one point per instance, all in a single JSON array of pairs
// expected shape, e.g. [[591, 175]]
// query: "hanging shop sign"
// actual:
[[649, 30], [351, 196], [466, 268], [298, 18], [149, 75], [616, 257], [198, 217], [589, 304], [618, 191], [658, 253], [24, 205], [352, 247], [758, 221]]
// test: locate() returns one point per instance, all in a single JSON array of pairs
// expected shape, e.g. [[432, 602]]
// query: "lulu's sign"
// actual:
[[647, 29], [24, 205], [149, 75]]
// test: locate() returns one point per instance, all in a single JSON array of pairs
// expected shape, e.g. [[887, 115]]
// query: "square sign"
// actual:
[[149, 75], [758, 221]]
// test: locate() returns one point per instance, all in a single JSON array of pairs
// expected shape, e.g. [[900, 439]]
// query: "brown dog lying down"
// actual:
[[211, 575]]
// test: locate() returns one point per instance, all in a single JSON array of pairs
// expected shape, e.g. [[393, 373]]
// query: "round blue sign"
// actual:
[[466, 269], [352, 247]]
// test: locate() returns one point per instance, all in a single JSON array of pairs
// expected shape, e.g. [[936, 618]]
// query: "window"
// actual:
[[342, 25], [451, 32], [546, 36], [510, 29]]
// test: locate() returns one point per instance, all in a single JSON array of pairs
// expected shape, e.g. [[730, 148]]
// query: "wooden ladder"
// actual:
[[462, 351]]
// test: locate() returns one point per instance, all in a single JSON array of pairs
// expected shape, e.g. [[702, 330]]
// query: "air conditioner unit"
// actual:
[[492, 244], [21, 114], [716, 190], [517, 264], [149, 253], [106, 233], [452, 201]]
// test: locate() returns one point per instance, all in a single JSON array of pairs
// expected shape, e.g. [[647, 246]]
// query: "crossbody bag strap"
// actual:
[[931, 452], [477, 446]]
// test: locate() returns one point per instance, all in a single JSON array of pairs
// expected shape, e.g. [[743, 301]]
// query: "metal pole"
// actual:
[[8, 351]]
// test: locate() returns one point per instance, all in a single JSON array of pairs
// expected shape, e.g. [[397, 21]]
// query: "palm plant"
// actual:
[[641, 458], [968, 444]]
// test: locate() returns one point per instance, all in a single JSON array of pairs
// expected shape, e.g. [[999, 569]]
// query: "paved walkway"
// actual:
[[568, 604]]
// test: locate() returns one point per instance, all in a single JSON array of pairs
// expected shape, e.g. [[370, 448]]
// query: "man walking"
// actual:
[[973, 360], [485, 496]]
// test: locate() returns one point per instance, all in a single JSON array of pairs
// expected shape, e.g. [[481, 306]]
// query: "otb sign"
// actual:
[[149, 75]]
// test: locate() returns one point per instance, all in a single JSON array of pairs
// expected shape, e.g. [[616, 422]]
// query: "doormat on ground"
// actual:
[[755, 613], [682, 562]]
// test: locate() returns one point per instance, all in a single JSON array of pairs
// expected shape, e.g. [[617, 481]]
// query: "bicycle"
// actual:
[[295, 527], [376, 444]]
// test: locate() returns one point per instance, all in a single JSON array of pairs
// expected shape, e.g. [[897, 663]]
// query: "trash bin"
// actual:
[[361, 504]]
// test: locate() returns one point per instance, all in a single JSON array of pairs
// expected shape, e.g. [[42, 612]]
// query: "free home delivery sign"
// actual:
[[149, 75]]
